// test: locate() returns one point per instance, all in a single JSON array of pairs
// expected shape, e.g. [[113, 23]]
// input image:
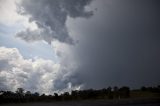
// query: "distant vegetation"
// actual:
[[21, 95]]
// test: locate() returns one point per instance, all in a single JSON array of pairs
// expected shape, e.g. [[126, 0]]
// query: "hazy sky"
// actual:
[[58, 45]]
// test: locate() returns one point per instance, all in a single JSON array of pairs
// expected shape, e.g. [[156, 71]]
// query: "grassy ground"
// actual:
[[144, 94], [137, 98], [121, 102]]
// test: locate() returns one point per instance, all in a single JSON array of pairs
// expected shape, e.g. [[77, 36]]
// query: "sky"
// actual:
[[52, 46]]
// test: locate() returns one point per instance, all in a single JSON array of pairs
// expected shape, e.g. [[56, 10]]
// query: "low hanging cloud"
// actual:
[[31, 74], [50, 17], [119, 45]]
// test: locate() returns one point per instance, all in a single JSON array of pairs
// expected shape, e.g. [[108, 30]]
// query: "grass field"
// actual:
[[122, 102], [80, 104]]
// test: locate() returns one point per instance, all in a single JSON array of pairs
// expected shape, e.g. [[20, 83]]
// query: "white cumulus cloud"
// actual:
[[36, 74]]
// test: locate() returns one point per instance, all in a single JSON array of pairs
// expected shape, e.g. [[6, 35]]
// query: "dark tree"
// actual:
[[143, 88], [116, 92], [109, 93], [20, 91], [124, 92]]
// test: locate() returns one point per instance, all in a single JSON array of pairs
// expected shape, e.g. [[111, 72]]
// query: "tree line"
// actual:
[[21, 95]]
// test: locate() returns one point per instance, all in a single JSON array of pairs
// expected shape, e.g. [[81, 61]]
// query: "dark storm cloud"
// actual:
[[120, 44], [50, 17]]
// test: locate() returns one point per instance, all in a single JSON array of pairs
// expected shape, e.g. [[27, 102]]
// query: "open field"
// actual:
[[80, 104], [125, 102]]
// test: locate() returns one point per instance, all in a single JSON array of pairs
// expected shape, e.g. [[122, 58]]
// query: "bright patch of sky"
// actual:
[[28, 50], [10, 23]]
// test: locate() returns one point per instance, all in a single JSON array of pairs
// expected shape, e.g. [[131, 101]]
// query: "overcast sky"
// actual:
[[59, 45]]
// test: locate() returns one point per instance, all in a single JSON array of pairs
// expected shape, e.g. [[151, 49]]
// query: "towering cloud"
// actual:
[[118, 45], [31, 74], [50, 17]]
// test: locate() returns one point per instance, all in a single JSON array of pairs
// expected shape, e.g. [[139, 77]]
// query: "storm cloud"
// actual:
[[120, 44], [50, 17], [117, 45]]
